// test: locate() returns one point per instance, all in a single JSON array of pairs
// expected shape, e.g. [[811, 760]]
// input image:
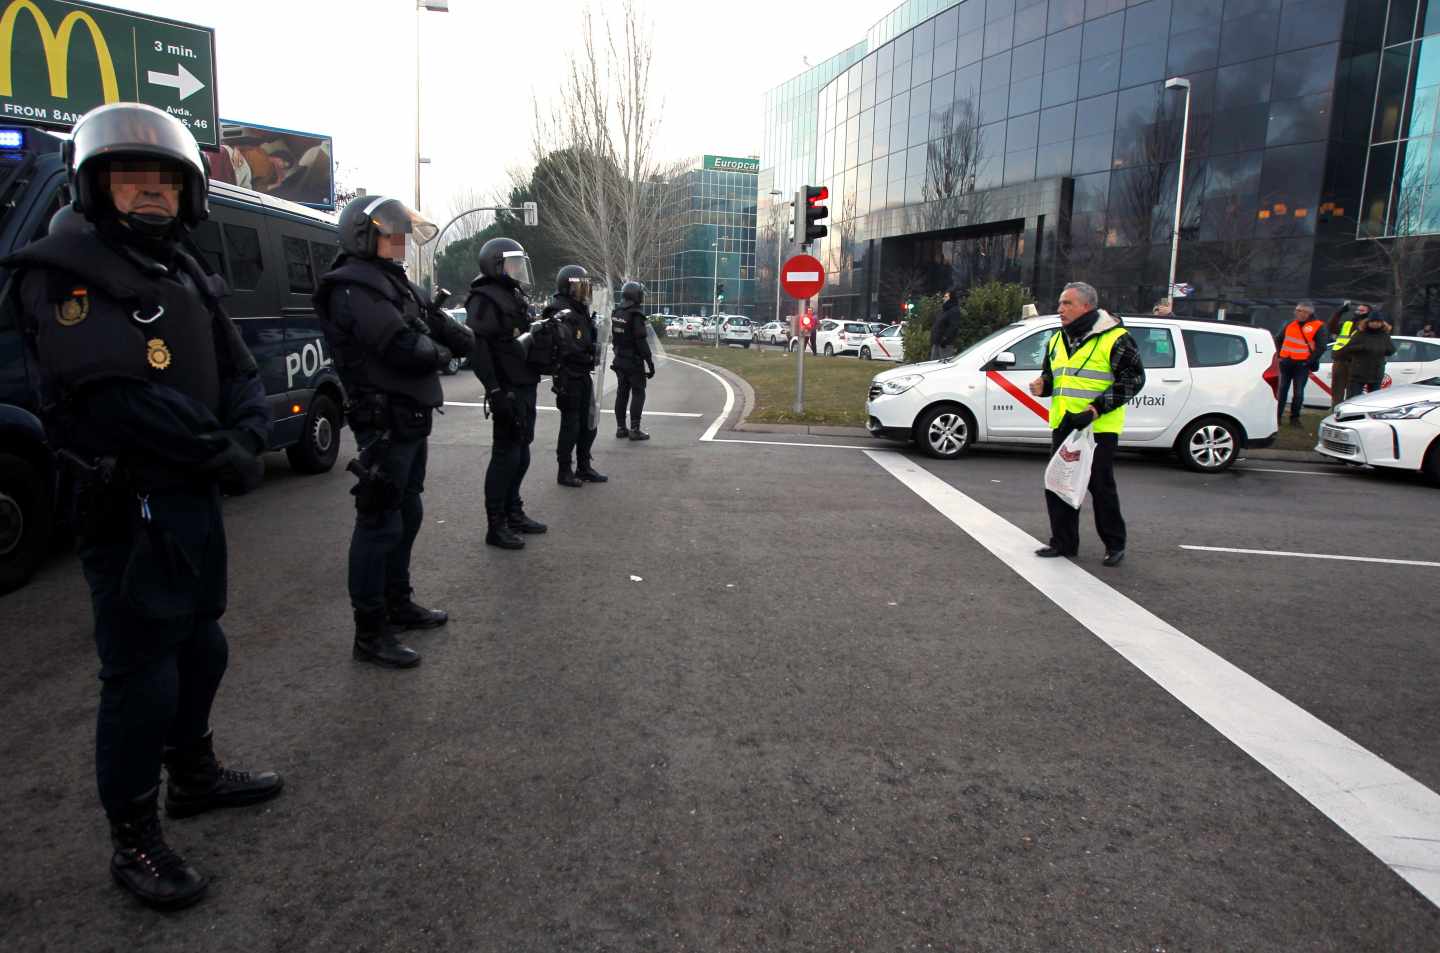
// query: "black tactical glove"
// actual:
[[649, 371], [237, 464], [442, 356], [1077, 420], [502, 404]]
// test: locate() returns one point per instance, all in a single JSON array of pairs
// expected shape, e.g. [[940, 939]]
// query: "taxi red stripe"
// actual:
[[1020, 395]]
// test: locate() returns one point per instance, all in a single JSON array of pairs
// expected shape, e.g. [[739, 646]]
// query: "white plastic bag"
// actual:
[[1068, 475]]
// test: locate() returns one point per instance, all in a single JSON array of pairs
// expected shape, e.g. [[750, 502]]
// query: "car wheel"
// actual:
[[453, 367], [829, 351], [25, 520], [945, 432], [1209, 445], [1431, 466], [864, 354], [320, 443]]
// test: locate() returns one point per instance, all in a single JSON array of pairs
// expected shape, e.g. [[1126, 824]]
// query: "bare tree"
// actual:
[[1229, 252], [952, 163], [1401, 262], [470, 225]]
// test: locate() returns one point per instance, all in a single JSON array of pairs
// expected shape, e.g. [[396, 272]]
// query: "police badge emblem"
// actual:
[[157, 353], [74, 309]]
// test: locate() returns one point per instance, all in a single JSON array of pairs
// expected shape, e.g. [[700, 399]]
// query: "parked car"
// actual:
[[1205, 396], [737, 330], [674, 326], [840, 337], [1415, 359], [1395, 428], [691, 327], [459, 361], [887, 344], [772, 332], [709, 328]]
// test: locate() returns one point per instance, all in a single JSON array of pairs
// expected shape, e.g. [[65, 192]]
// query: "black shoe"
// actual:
[[1113, 558], [567, 476], [637, 434], [375, 643], [147, 866], [500, 534], [621, 433], [1050, 552], [406, 615], [1296, 422], [523, 524], [590, 475], [198, 782]]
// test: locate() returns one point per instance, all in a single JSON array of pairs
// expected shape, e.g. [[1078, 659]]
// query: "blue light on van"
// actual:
[[12, 140]]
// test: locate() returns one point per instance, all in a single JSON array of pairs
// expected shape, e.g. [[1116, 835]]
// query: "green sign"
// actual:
[[732, 164], [58, 60]]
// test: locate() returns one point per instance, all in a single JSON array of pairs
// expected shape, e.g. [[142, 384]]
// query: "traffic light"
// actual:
[[807, 320], [809, 213], [720, 292], [909, 308]]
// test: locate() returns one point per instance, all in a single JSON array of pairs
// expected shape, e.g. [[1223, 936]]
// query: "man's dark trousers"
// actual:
[[510, 454], [629, 390], [576, 434], [1104, 496], [1293, 375], [381, 544]]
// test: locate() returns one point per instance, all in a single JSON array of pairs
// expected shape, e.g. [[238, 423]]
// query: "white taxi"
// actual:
[[886, 344], [1415, 359], [1205, 396], [1398, 427]]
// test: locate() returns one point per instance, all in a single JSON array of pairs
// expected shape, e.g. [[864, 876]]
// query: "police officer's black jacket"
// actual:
[[498, 315], [136, 358], [629, 339], [373, 317], [578, 351]]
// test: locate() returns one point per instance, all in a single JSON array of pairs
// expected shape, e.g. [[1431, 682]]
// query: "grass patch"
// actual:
[[1303, 437], [835, 387]]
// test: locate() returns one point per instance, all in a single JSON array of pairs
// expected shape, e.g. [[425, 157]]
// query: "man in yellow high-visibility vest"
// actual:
[[1092, 370], [1342, 326]]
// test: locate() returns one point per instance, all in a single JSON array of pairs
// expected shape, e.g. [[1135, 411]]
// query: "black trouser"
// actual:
[[381, 543], [1293, 376], [510, 454], [162, 651], [1356, 388], [1104, 496], [573, 396], [630, 390]]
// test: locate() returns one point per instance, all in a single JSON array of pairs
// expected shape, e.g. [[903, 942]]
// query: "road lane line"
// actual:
[[1388, 812], [786, 443], [1347, 559], [1301, 472], [603, 410], [709, 434]]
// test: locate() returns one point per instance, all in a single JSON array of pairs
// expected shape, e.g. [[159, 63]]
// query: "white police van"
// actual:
[[1205, 396], [270, 252]]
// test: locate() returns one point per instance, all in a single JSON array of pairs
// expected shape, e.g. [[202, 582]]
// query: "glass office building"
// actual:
[[1036, 141], [708, 240]]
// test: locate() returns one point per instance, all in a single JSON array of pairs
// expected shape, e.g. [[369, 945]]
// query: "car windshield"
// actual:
[[984, 342], [857, 328], [1431, 382]]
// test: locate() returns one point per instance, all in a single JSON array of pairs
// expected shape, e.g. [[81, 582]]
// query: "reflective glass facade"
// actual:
[[710, 234], [1036, 138]]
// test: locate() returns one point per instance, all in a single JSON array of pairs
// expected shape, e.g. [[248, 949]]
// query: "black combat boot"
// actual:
[[621, 433], [375, 642], [590, 475], [145, 865], [405, 614], [636, 433], [567, 476], [500, 534], [198, 782], [521, 523]]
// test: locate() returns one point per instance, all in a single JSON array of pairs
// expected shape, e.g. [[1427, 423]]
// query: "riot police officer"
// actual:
[[153, 404], [633, 364], [498, 312], [390, 344], [573, 384]]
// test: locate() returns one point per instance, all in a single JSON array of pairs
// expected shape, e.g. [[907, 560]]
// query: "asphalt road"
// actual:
[[762, 696]]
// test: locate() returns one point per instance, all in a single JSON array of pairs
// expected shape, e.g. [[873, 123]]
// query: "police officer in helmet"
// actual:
[[390, 344], [573, 384], [498, 312], [633, 364], [154, 405]]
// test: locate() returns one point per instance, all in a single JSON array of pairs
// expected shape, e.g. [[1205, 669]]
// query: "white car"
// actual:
[[1396, 427], [884, 345], [773, 332], [460, 361], [1205, 396], [840, 337], [737, 330], [708, 329], [690, 327], [1415, 359]]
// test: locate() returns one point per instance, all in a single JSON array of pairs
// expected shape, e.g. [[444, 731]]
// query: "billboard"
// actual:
[[298, 166], [731, 164]]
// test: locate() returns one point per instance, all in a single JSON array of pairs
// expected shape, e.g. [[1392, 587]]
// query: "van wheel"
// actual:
[[864, 354], [945, 432], [320, 443], [25, 520], [829, 351], [1209, 445]]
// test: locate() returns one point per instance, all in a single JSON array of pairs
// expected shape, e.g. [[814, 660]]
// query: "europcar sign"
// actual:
[[732, 164], [58, 60]]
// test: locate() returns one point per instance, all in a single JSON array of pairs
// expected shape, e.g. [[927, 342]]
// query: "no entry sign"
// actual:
[[802, 276]]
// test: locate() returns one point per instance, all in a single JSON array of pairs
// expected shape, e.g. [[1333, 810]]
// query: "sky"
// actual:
[[347, 68]]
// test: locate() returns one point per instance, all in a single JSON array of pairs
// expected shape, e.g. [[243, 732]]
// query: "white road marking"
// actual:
[[789, 443], [603, 410], [1388, 812], [709, 434], [1301, 472], [1347, 559]]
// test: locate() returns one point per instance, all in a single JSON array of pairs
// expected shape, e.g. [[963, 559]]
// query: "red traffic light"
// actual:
[[815, 194], [807, 320]]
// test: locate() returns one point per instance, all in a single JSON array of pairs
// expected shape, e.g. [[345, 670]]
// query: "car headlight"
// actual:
[[899, 385], [1407, 412]]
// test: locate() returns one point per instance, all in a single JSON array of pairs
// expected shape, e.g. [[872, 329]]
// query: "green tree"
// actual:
[[989, 307], [916, 332]]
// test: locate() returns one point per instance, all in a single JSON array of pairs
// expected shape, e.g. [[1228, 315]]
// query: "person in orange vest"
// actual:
[[1300, 344]]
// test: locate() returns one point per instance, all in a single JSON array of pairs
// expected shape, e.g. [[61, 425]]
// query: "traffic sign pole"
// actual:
[[802, 277], [800, 358]]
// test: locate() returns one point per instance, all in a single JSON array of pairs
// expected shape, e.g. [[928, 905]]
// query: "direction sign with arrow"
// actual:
[[184, 82]]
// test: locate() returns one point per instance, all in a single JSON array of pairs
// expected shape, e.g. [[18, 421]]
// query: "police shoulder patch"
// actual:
[[73, 309], [157, 353]]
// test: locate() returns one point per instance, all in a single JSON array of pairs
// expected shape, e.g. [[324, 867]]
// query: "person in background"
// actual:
[[1162, 308], [1341, 327], [1366, 353], [1428, 331], [947, 327], [1300, 345]]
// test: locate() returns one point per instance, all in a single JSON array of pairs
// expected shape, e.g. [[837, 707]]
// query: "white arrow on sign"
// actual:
[[183, 82]]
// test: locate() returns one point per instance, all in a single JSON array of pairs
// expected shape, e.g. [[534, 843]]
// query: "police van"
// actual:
[[270, 252]]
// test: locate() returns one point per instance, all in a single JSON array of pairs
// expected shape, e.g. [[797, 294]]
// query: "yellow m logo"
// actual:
[[57, 50]]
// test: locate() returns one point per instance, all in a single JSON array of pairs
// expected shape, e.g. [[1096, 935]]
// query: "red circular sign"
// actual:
[[802, 276]]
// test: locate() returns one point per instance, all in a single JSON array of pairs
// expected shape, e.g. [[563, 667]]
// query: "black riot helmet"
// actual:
[[150, 139], [632, 293], [367, 217], [573, 281], [504, 260]]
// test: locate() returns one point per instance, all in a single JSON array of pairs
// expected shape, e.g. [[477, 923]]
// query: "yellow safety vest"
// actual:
[[1081, 377], [1343, 338]]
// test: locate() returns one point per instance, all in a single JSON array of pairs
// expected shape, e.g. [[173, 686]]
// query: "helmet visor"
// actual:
[[394, 217], [581, 290], [516, 266]]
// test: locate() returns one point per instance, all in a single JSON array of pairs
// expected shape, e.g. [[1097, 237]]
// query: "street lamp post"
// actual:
[[1178, 82], [715, 291], [779, 244], [421, 6]]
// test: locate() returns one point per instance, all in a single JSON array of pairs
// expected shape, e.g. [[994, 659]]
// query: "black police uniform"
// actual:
[[574, 386], [387, 347], [498, 314], [633, 365]]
